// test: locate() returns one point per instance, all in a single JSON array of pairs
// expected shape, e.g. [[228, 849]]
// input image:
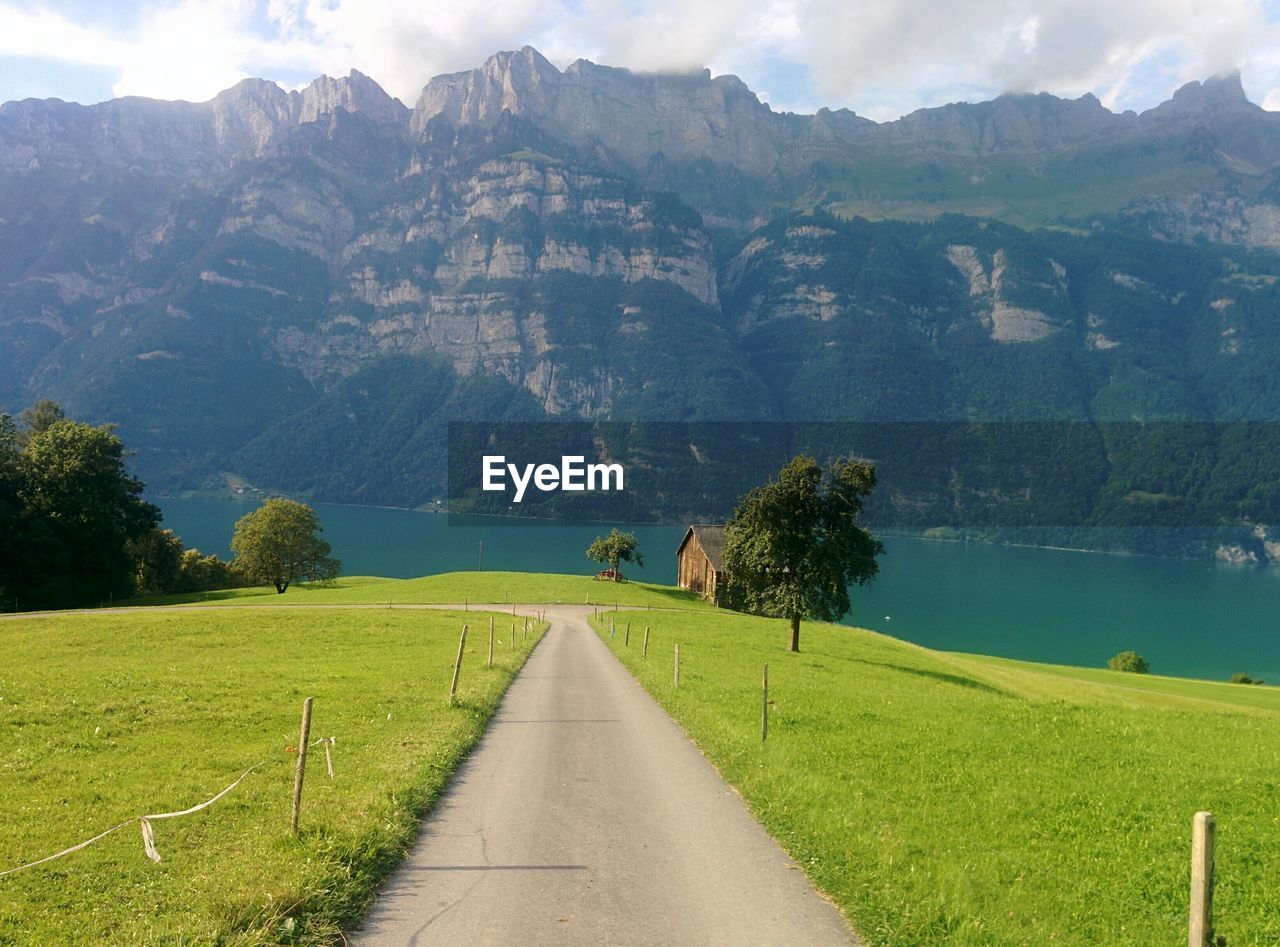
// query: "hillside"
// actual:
[[302, 288]]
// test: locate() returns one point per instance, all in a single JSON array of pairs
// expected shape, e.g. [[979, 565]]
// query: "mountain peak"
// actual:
[[1223, 91], [509, 81], [356, 92]]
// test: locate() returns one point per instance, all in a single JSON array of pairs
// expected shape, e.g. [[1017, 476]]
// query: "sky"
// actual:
[[881, 59]]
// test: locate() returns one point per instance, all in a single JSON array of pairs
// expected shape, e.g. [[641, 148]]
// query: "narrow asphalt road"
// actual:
[[585, 816]]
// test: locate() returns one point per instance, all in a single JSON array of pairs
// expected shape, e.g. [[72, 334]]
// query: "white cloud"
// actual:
[[46, 35], [894, 53], [881, 59]]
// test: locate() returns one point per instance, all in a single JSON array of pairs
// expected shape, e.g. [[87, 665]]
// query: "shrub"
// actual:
[[1244, 679], [1129, 661]]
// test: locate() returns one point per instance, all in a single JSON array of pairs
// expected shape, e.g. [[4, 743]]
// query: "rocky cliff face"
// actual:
[[592, 242], [631, 118]]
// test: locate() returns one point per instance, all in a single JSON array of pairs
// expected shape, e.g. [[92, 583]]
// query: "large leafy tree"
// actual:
[[794, 546], [78, 509], [615, 549], [279, 543], [10, 510]]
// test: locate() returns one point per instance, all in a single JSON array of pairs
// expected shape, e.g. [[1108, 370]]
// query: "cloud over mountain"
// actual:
[[882, 60]]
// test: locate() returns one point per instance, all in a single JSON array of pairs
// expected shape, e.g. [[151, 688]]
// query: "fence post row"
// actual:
[[457, 665], [764, 707], [303, 737], [1200, 933]]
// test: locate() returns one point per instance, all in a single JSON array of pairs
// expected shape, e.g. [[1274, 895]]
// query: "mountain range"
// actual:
[[299, 289]]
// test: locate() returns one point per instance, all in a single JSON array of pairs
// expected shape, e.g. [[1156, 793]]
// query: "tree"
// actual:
[[157, 562], [163, 566], [794, 546], [39, 418], [614, 549], [10, 511], [79, 509], [206, 573], [278, 543], [1129, 661]]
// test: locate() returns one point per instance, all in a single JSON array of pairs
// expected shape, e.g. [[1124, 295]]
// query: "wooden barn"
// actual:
[[700, 561]]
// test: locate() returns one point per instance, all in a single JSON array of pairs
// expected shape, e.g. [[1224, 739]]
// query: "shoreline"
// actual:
[[507, 519]]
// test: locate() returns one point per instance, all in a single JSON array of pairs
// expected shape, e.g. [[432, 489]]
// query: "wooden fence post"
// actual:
[[612, 627], [457, 665], [677, 666], [626, 641], [489, 663], [303, 736], [764, 707], [644, 652], [513, 636], [1202, 832]]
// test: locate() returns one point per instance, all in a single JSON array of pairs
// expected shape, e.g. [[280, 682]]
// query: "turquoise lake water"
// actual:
[[1192, 618]]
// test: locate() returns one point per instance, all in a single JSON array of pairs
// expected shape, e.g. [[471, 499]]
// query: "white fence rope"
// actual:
[[148, 837], [67, 851]]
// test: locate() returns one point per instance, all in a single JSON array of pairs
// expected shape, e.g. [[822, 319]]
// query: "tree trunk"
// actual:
[[617, 565], [280, 587], [795, 634]]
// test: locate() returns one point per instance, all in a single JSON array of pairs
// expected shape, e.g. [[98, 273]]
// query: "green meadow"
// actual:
[[955, 799], [106, 717], [451, 588]]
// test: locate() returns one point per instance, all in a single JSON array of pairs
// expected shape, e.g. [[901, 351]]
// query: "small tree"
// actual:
[[157, 562], [615, 549], [201, 573], [1129, 661], [279, 543], [794, 546]]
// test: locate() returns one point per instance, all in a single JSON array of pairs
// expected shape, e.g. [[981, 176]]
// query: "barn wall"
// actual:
[[694, 570], [693, 566]]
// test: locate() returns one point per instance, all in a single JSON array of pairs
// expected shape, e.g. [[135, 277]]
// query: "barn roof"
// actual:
[[711, 539]]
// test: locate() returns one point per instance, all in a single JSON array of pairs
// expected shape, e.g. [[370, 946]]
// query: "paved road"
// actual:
[[585, 816]]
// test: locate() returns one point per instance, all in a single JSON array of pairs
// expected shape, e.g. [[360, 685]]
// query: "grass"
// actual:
[[451, 588], [944, 798], [104, 717]]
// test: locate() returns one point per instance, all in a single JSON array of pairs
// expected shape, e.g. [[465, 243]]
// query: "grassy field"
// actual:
[[450, 588], [104, 717], [954, 799]]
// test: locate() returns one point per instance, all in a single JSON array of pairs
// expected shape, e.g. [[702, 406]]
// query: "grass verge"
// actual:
[[106, 717], [450, 588], [942, 798]]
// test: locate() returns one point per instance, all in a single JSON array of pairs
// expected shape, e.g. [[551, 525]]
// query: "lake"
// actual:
[[1190, 618]]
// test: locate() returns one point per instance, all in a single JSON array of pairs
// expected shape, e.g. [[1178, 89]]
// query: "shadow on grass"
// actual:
[[958, 680], [683, 596], [199, 598]]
